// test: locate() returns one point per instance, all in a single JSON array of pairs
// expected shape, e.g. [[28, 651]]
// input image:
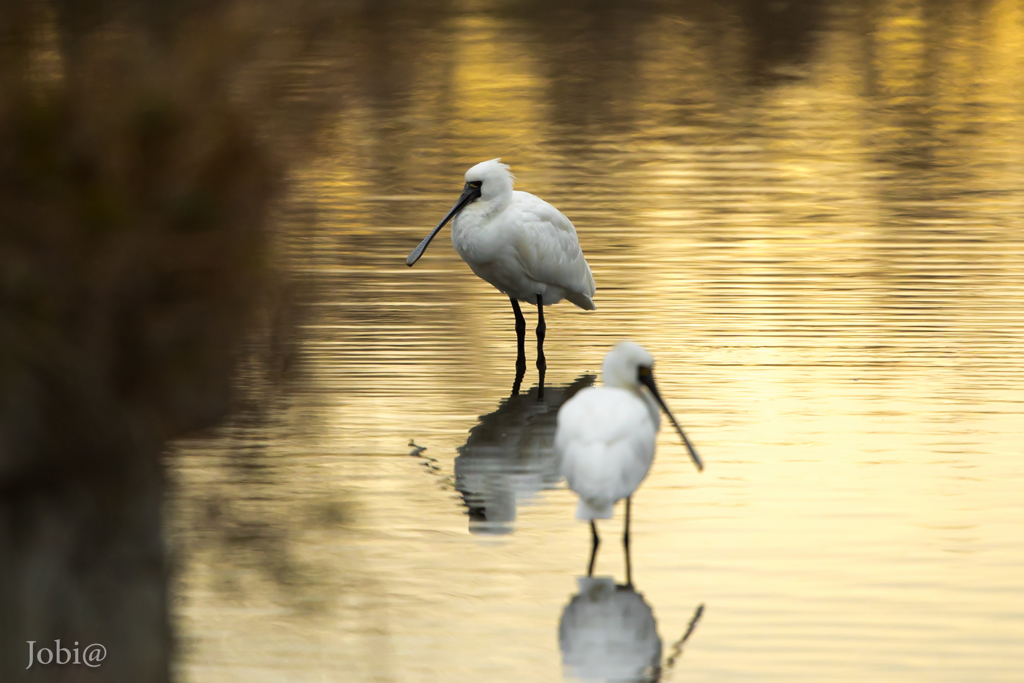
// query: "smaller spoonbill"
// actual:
[[606, 435], [524, 247]]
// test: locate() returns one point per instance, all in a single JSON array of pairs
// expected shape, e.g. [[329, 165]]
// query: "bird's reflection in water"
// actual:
[[608, 633], [510, 456]]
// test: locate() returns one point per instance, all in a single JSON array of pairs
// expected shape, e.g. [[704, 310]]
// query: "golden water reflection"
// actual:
[[817, 231]]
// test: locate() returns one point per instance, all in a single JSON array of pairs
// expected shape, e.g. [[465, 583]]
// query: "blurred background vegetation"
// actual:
[[136, 191]]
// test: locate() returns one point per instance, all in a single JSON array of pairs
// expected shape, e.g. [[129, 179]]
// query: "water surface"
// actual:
[[811, 215]]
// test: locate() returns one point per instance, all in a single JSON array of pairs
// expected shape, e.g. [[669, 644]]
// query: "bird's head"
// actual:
[[631, 366], [624, 364], [487, 180], [491, 178]]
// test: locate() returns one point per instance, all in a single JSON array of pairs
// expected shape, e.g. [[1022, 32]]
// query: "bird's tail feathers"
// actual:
[[581, 300]]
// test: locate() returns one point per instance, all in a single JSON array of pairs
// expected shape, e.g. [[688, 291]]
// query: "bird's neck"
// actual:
[[652, 406], [495, 205]]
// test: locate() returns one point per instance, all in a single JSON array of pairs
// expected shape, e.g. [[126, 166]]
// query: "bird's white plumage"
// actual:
[[519, 243], [606, 435], [606, 440]]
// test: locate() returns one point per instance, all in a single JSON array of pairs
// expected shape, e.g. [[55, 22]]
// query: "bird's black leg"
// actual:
[[594, 542], [520, 346], [541, 329], [625, 544]]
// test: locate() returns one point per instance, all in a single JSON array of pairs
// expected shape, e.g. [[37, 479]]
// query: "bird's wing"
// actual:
[[547, 246], [605, 438]]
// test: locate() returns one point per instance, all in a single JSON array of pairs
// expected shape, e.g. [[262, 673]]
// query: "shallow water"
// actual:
[[813, 219]]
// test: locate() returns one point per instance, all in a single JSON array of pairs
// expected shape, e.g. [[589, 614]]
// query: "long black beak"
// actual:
[[648, 381], [469, 193]]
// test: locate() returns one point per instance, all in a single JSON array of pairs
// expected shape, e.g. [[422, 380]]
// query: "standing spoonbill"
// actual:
[[605, 438], [520, 244]]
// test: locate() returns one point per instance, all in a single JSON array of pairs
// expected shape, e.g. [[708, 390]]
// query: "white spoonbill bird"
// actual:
[[605, 438], [526, 248]]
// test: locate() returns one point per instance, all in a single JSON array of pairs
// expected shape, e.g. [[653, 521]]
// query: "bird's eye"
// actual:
[[476, 183], [644, 371]]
